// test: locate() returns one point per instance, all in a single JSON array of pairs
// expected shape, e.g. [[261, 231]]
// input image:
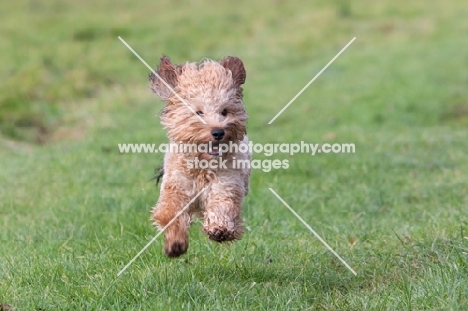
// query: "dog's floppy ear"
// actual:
[[237, 68], [168, 72]]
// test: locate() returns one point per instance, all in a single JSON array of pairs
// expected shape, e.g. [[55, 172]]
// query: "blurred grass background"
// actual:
[[74, 211], [58, 55]]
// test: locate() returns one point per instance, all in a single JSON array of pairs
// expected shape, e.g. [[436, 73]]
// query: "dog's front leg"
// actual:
[[172, 201], [222, 215]]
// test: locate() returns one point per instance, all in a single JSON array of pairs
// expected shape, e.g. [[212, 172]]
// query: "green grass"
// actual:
[[74, 211]]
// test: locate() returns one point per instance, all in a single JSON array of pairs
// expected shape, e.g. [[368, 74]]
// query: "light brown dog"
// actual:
[[214, 92]]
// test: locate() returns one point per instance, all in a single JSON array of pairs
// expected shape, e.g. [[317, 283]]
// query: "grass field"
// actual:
[[74, 210]]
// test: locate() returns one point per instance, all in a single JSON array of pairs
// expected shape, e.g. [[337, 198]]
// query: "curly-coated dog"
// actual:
[[203, 108]]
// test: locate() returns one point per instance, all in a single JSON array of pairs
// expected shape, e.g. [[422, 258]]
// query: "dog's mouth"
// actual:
[[214, 149]]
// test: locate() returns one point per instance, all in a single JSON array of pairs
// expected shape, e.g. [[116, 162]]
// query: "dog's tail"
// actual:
[[158, 174]]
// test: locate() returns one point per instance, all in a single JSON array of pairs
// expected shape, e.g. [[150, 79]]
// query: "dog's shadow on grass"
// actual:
[[281, 270], [268, 273]]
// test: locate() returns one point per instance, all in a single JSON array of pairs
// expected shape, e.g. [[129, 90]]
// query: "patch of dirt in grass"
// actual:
[[455, 113], [68, 133]]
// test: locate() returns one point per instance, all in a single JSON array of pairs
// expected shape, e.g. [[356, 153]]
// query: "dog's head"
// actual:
[[213, 92]]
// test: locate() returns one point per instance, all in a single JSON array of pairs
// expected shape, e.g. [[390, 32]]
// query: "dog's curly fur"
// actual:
[[213, 90]]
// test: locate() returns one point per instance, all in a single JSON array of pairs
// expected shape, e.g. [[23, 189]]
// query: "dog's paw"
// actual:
[[220, 234], [175, 249]]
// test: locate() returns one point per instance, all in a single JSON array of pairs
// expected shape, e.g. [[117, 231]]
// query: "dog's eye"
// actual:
[[200, 113], [224, 112]]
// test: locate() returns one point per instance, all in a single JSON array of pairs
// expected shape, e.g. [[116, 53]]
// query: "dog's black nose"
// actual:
[[218, 134]]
